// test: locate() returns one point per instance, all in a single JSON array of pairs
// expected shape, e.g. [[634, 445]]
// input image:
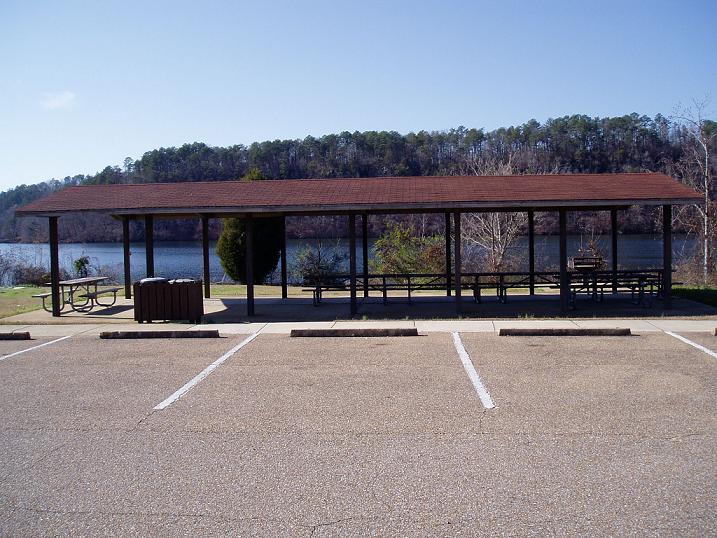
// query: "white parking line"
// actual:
[[483, 393], [693, 344], [204, 373], [33, 347]]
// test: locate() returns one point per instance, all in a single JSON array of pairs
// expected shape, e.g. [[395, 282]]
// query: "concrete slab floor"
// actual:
[[360, 436]]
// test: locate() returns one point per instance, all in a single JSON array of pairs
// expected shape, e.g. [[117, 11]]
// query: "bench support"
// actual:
[[54, 268]]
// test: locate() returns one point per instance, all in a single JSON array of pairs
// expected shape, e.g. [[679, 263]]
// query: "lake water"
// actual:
[[184, 259]]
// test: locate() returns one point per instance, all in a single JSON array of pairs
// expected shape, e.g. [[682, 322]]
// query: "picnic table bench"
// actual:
[[81, 294]]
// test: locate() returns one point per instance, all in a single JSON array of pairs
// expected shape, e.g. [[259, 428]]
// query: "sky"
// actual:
[[84, 84]]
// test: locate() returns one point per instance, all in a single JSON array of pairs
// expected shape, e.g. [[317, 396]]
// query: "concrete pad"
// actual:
[[286, 328], [376, 324], [684, 325], [534, 324], [55, 331], [635, 325], [425, 326], [641, 385], [232, 328]]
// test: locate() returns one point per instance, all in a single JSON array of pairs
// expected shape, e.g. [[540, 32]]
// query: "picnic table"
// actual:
[[81, 294]]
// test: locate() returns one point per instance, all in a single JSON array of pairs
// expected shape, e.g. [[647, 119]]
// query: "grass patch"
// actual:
[[18, 300], [700, 294]]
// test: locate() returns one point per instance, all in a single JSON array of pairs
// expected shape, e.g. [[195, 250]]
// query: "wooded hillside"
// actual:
[[569, 144]]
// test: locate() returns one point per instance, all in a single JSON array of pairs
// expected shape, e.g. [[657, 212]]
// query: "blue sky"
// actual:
[[86, 84]]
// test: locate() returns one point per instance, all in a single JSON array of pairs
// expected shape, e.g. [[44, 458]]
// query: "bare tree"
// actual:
[[694, 168], [492, 233]]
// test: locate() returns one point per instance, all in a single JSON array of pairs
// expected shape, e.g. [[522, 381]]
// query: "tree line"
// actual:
[[570, 144]]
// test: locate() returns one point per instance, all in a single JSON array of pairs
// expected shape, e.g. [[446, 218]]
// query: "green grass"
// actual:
[[18, 300], [700, 294]]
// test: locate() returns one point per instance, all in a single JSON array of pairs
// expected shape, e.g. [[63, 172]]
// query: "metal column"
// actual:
[[364, 246], [667, 256], [457, 265], [447, 232], [613, 230], [205, 256], [127, 254], [352, 263], [284, 280], [149, 244], [249, 258], [54, 268], [564, 277], [531, 250]]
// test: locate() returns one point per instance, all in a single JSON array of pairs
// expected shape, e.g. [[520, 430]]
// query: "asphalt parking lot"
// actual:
[[388, 436]]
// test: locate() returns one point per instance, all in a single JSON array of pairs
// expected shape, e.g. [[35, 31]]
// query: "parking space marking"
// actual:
[[204, 373], [33, 347], [482, 392], [693, 344]]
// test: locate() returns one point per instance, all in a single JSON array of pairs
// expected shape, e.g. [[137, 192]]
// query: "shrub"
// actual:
[[399, 250], [231, 247], [314, 264]]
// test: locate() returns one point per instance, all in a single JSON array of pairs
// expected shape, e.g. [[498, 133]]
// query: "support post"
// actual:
[[149, 244], [284, 280], [126, 256], [352, 263], [613, 229], [249, 258], [457, 265], [54, 268], [531, 250], [667, 256], [564, 277], [447, 232], [205, 256], [364, 246]]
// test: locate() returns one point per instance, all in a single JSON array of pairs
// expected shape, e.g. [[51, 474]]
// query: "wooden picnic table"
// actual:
[[81, 294]]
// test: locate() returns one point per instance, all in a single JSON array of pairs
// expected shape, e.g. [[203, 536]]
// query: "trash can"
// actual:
[[159, 299]]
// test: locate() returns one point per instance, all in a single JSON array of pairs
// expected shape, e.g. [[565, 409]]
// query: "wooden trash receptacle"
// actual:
[[159, 300]]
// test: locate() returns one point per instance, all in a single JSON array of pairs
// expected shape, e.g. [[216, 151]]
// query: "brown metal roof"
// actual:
[[382, 194]]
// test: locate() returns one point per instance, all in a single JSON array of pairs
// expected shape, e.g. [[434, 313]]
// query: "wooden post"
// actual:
[[364, 246], [54, 268], [564, 277], [457, 265], [667, 256], [249, 258], [447, 233], [127, 253], [149, 244], [613, 227], [531, 250], [352, 263], [205, 256], [284, 280]]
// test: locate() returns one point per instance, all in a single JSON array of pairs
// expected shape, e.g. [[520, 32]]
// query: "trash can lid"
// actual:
[[152, 279]]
